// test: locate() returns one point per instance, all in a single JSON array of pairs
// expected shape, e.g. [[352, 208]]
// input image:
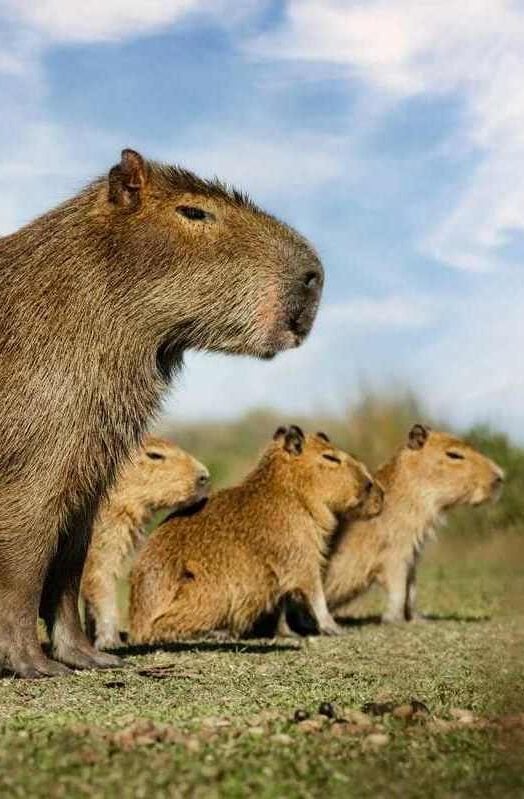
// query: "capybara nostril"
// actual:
[[498, 482], [203, 479], [312, 279], [368, 485]]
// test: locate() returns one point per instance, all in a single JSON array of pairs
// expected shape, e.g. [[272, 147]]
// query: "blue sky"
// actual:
[[390, 132]]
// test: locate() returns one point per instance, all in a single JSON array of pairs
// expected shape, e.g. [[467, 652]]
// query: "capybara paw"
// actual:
[[108, 642], [392, 618], [34, 667], [331, 628], [418, 617], [88, 659]]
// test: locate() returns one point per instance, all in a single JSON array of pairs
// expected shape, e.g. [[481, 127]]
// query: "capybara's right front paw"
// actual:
[[104, 642], [32, 666]]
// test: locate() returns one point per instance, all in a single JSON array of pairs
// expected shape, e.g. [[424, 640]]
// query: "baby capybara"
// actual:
[[250, 546], [99, 300], [430, 474], [160, 475]]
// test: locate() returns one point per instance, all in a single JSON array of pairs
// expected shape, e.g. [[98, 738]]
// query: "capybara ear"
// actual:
[[280, 432], [127, 179], [418, 435], [294, 440], [323, 436]]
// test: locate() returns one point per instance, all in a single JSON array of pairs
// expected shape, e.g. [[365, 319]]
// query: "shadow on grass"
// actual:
[[365, 621], [206, 646]]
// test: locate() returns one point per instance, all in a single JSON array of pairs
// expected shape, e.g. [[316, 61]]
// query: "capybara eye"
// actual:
[[193, 213], [456, 456], [333, 458], [156, 456]]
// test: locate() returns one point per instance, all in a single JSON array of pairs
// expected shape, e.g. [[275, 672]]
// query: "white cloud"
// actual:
[[472, 370], [115, 20], [265, 161], [406, 47]]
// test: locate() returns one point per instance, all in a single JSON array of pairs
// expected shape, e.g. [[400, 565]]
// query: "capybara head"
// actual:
[[162, 475], [450, 471], [320, 472], [245, 282]]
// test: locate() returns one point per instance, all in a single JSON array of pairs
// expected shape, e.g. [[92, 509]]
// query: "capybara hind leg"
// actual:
[[186, 618], [59, 607]]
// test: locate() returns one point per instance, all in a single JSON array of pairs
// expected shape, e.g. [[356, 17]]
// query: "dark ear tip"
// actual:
[[323, 436], [128, 152], [418, 435], [297, 430], [280, 431]]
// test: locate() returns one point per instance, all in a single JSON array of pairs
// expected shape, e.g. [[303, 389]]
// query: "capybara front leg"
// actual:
[[21, 577], [396, 583], [316, 600], [20, 649], [102, 608], [59, 607], [410, 610]]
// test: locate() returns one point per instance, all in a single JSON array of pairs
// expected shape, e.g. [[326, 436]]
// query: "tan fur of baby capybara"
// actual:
[[249, 546], [99, 299], [432, 473], [159, 475]]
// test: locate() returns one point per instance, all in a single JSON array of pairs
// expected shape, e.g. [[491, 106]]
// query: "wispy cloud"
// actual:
[[115, 20], [404, 48], [267, 160]]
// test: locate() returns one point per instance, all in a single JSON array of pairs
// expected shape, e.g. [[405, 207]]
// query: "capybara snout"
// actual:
[[304, 295]]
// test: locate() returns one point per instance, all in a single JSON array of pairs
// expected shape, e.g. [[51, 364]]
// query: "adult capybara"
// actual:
[[250, 546], [99, 299], [432, 473], [159, 475]]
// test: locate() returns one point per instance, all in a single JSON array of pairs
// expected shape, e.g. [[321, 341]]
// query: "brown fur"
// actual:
[[250, 546], [421, 482], [99, 299], [160, 475]]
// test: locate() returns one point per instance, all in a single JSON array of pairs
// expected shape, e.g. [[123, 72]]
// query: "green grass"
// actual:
[[221, 715]]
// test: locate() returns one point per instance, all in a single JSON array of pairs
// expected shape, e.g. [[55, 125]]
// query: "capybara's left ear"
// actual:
[[127, 180], [418, 435], [279, 433], [294, 440]]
